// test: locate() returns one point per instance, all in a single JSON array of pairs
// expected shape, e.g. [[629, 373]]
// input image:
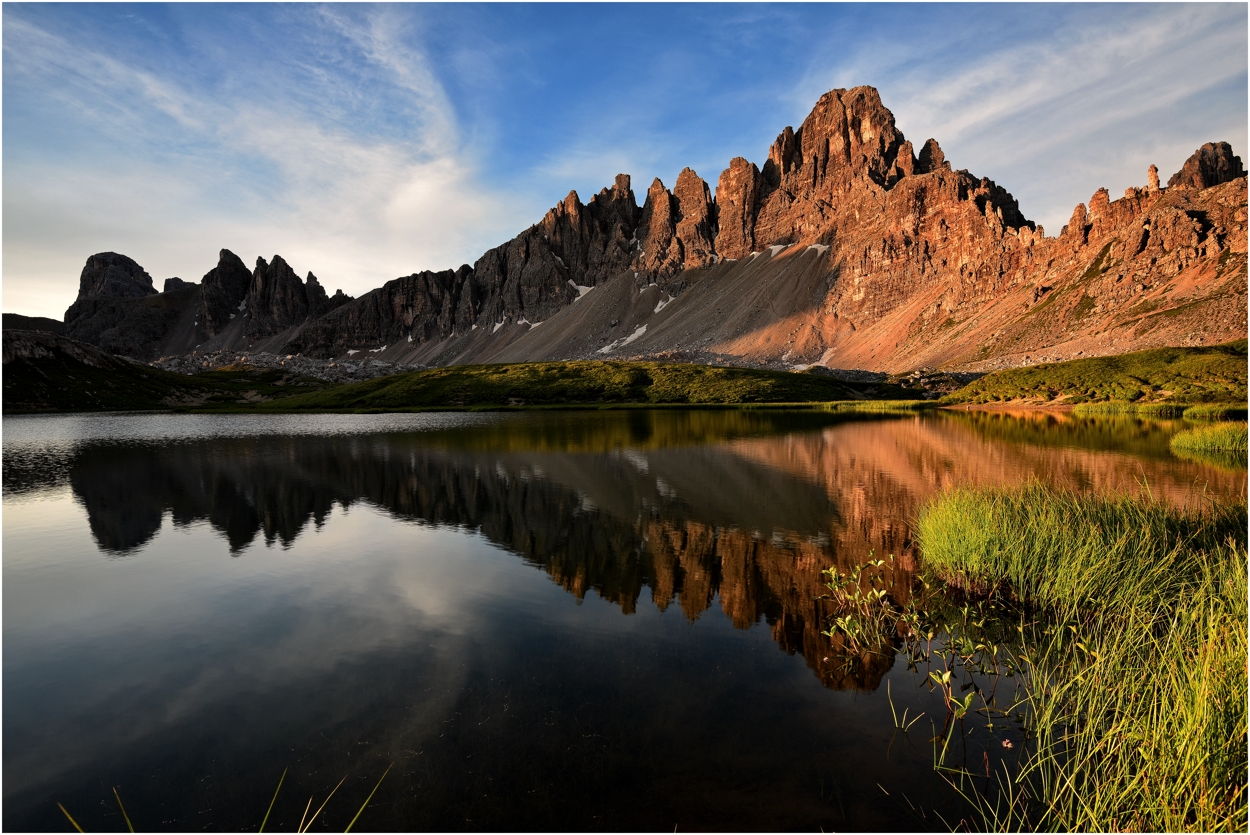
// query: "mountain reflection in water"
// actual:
[[747, 507]]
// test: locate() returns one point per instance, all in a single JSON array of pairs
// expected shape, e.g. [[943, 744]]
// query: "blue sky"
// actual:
[[366, 142]]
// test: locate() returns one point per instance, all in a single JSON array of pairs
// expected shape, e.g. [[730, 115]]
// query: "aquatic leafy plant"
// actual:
[[865, 616]]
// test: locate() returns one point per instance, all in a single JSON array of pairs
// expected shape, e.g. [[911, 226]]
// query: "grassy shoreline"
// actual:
[[1189, 383], [71, 386], [1132, 645], [898, 407], [1189, 376]]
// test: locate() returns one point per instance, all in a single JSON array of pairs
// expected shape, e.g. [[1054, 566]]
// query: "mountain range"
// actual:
[[847, 248]]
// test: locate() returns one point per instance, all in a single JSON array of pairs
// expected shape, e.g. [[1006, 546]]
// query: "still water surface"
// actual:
[[547, 621]]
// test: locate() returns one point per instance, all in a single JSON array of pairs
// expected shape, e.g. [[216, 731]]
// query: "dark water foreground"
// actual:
[[545, 621]]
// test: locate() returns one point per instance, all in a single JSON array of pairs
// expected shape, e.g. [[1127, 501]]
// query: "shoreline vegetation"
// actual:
[[1192, 384], [1223, 445], [596, 384], [1122, 383], [1129, 655]]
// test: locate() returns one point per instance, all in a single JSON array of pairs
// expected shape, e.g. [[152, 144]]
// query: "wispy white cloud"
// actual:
[[258, 176]]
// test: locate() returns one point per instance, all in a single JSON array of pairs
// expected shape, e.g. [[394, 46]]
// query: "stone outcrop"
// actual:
[[1210, 165], [222, 291], [417, 307], [277, 299], [696, 223], [736, 194], [115, 276], [678, 229], [661, 250], [176, 283], [534, 275], [525, 280]]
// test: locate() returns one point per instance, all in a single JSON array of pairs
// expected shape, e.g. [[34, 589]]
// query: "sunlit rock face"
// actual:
[[1212, 164], [846, 248]]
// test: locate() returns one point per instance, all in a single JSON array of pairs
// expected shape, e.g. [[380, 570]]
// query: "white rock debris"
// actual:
[[338, 372], [621, 343]]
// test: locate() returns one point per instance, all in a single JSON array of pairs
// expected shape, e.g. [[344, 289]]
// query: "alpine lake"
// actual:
[[565, 620]]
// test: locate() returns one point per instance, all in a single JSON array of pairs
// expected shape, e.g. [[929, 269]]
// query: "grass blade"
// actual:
[[323, 804], [275, 800], [71, 819], [129, 825], [300, 828], [370, 797]]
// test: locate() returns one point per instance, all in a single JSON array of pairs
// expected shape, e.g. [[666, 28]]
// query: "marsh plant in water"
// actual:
[[1223, 445], [1090, 652]]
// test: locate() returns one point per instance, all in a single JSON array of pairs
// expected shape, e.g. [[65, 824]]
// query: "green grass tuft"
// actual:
[[1161, 410], [1111, 407], [1052, 547], [1224, 437], [1116, 407], [880, 406], [1222, 445], [1134, 656], [1216, 411]]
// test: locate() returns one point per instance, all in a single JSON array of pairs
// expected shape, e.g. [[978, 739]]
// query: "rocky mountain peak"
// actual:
[[276, 299], [659, 250], [222, 291], [848, 133], [931, 158], [114, 275], [696, 225], [737, 193], [615, 207], [1210, 165]]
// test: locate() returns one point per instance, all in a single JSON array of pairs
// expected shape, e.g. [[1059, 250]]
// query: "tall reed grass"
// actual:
[[1133, 655], [1115, 407], [1216, 411], [878, 406], [1111, 407], [1221, 445], [1222, 437]]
